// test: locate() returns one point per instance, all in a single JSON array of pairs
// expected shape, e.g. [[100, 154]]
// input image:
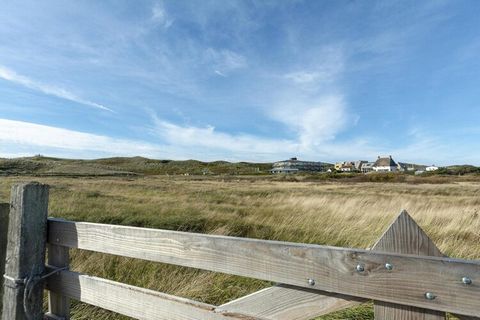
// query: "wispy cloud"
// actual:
[[224, 60], [174, 141], [320, 72], [315, 121], [19, 138], [10, 75], [302, 76], [208, 138], [160, 16], [31, 134]]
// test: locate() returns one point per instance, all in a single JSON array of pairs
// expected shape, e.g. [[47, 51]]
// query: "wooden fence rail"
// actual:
[[405, 274]]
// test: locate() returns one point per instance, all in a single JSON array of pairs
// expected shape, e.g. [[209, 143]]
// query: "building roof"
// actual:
[[368, 165], [385, 162]]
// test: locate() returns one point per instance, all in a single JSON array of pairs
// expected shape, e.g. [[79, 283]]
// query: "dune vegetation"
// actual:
[[339, 213]]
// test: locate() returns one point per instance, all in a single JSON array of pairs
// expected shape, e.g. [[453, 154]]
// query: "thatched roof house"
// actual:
[[386, 164]]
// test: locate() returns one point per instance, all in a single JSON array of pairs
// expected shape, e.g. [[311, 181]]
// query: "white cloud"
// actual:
[[209, 143], [314, 121], [207, 139], [224, 60], [160, 16], [319, 68], [36, 136], [220, 73], [311, 103], [12, 76], [302, 76], [18, 138]]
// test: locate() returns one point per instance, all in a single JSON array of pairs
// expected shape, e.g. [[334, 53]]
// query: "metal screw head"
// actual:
[[360, 268], [466, 280], [311, 282], [388, 266], [430, 296]]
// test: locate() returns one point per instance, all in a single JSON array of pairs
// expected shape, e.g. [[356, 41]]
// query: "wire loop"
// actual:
[[29, 283]]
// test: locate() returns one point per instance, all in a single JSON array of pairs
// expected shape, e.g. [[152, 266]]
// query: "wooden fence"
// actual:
[[404, 273]]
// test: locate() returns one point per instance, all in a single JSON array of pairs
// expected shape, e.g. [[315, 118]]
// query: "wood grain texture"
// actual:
[[58, 304], [26, 247], [290, 263], [4, 209], [405, 236], [284, 302], [132, 301]]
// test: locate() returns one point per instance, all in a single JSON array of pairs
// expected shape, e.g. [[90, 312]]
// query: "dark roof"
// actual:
[[385, 162]]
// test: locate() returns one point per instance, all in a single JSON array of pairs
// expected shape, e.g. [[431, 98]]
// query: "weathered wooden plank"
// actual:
[[333, 269], [285, 302], [405, 236], [26, 246], [138, 303], [58, 304], [4, 209]]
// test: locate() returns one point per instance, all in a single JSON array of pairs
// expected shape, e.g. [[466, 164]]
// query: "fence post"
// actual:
[[27, 233], [4, 208], [405, 236], [58, 305]]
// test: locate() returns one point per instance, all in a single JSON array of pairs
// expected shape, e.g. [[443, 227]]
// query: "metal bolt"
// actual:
[[466, 280], [360, 268], [430, 296], [388, 266], [311, 282]]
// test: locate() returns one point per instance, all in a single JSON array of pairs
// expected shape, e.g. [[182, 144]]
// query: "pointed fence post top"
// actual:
[[405, 236]]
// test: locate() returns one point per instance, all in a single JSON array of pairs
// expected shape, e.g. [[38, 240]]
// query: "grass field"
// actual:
[[334, 213]]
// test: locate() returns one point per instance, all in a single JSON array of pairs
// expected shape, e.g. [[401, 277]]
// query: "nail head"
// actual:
[[388, 266], [311, 282], [430, 296], [360, 268], [466, 280]]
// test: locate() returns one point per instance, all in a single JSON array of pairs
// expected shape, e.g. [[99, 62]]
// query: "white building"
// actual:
[[293, 165], [367, 167], [348, 167], [431, 168], [386, 164]]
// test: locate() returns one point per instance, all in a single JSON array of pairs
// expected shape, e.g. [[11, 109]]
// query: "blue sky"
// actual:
[[241, 80]]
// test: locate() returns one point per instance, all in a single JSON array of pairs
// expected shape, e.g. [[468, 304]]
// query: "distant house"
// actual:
[[411, 167], [367, 167], [386, 164], [431, 168], [347, 167], [339, 165], [293, 165], [284, 170], [359, 164]]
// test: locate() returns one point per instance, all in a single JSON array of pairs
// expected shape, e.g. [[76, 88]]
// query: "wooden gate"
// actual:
[[404, 273]]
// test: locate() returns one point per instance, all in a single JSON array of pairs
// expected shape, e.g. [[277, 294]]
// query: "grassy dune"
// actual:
[[333, 213]]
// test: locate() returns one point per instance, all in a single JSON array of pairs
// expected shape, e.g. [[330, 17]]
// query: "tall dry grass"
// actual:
[[340, 214]]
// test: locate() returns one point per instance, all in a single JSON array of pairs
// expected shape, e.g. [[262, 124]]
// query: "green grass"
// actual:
[[124, 166]]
